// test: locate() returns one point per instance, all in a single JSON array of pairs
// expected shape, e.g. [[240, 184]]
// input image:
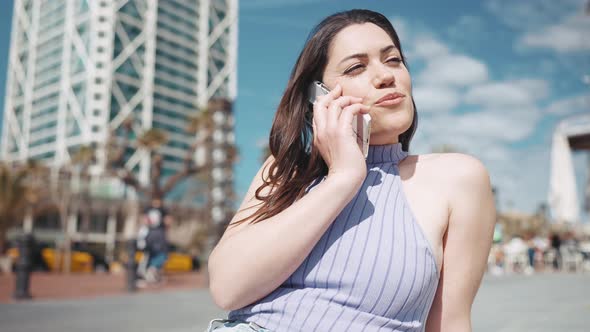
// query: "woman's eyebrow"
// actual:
[[365, 55]]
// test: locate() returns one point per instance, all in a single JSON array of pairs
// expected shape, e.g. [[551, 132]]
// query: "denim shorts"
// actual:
[[157, 260], [232, 325]]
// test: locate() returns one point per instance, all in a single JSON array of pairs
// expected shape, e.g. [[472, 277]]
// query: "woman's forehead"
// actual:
[[358, 38]]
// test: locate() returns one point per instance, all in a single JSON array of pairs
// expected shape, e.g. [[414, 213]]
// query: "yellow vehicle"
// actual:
[[176, 262], [79, 262]]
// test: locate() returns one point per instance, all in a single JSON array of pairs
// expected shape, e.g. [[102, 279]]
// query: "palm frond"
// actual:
[[152, 139]]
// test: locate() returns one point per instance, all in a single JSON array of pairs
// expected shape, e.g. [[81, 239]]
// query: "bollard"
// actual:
[[131, 266], [24, 266]]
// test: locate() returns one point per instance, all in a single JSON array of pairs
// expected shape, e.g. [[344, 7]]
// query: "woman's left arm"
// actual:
[[466, 244]]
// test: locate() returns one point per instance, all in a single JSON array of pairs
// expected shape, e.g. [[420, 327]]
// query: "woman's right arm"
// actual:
[[252, 260]]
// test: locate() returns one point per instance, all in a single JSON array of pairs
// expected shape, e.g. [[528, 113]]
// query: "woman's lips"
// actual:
[[390, 99]]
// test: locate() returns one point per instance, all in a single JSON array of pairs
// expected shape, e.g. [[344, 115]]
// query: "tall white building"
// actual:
[[79, 68]]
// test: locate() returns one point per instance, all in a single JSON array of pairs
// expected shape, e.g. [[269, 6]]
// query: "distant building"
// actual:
[[79, 68], [571, 134]]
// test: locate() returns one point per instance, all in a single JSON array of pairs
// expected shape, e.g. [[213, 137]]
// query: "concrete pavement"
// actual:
[[540, 303], [545, 302]]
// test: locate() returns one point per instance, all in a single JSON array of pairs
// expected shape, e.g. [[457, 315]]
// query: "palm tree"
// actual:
[[83, 158], [201, 126], [151, 140], [15, 194], [61, 196], [203, 120], [233, 154]]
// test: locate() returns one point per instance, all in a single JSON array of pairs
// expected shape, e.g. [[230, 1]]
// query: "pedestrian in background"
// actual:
[[156, 221]]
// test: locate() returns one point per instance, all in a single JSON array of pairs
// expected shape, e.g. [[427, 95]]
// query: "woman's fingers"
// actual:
[[335, 109], [332, 132], [349, 112], [322, 102], [336, 92]]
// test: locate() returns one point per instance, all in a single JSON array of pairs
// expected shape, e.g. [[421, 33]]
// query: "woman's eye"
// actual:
[[394, 60], [353, 69]]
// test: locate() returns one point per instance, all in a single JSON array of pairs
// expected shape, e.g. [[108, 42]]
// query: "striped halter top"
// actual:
[[372, 270]]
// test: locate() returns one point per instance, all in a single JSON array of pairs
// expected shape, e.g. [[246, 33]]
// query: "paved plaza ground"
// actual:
[[546, 302], [50, 286]]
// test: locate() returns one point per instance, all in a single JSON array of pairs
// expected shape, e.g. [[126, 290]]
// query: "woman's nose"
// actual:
[[384, 78]]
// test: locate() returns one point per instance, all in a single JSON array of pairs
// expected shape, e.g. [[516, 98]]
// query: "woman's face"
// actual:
[[364, 61]]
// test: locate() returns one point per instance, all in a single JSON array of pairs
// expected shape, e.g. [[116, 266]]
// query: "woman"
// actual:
[[329, 241]]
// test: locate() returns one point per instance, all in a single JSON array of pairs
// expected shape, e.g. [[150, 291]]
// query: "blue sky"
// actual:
[[491, 78]]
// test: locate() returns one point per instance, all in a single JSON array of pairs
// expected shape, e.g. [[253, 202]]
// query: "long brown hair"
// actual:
[[293, 169]]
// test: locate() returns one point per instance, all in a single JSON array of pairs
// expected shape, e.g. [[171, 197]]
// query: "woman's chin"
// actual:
[[383, 138], [391, 125]]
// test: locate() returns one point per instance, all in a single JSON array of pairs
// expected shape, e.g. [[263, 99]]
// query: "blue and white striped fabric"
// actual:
[[373, 269]]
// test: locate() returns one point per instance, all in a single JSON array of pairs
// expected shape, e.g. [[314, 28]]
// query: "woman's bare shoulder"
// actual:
[[458, 168], [459, 161]]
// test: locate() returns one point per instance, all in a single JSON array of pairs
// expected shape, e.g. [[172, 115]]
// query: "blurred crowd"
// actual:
[[533, 253]]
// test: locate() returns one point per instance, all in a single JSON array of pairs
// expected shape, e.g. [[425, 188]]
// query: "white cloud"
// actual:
[[570, 105], [508, 125], [560, 26], [401, 28], [435, 98], [571, 35], [467, 28], [532, 14], [505, 112], [442, 66], [457, 70], [428, 47], [496, 95], [467, 129], [538, 88], [507, 94]]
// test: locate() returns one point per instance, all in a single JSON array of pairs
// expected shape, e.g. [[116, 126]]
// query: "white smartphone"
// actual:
[[361, 125]]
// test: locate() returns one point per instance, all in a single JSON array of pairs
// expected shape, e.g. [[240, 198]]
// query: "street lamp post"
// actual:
[[131, 266], [24, 267]]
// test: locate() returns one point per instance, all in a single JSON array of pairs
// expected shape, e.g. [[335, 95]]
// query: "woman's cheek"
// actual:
[[356, 90]]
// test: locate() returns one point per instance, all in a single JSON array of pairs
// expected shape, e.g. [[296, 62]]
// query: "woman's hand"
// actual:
[[334, 137]]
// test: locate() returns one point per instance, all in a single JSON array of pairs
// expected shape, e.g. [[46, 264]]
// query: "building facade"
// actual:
[[79, 68]]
